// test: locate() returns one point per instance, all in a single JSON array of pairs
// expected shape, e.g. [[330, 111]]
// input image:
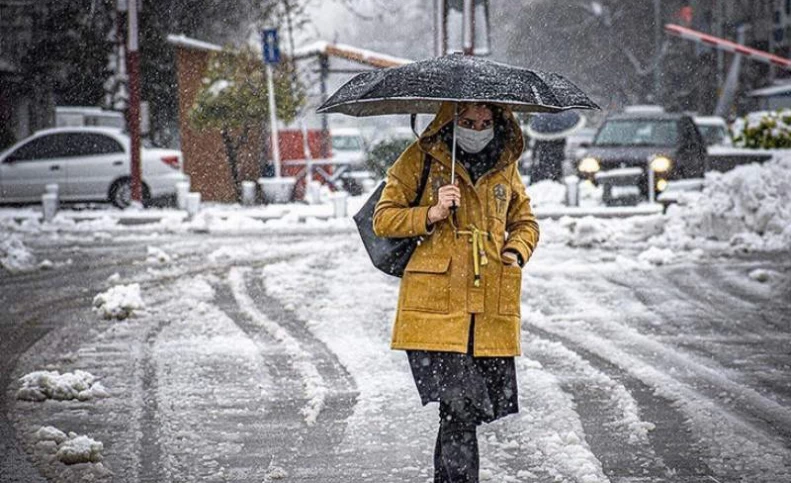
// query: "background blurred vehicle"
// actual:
[[88, 164], [714, 130], [348, 146], [348, 158], [627, 144]]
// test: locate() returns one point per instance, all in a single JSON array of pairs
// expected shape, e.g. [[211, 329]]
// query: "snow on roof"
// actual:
[[356, 54], [709, 121], [182, 40], [95, 129], [778, 90]]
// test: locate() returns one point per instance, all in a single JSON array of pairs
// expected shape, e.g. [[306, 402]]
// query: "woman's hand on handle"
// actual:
[[448, 196]]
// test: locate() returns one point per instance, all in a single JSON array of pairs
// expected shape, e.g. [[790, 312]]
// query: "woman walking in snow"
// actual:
[[458, 313]]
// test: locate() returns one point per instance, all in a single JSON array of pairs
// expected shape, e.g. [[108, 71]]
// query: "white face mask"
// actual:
[[473, 141]]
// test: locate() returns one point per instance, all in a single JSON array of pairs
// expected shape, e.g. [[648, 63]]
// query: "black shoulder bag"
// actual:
[[389, 255]]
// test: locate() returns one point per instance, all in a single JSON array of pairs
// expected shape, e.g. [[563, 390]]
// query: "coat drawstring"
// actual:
[[479, 257]]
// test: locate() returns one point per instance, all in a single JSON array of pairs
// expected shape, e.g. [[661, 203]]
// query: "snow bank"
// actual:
[[43, 385], [547, 193], [749, 207], [15, 256], [119, 302]]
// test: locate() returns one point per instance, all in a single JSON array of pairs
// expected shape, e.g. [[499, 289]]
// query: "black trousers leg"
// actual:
[[457, 445]]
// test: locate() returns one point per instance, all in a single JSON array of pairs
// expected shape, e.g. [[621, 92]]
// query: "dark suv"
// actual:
[[628, 145]]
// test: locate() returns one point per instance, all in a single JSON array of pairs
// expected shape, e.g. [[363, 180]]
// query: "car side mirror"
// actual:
[[585, 144], [10, 160]]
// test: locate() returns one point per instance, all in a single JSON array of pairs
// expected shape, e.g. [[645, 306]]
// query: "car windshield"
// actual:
[[346, 143], [713, 134], [637, 132]]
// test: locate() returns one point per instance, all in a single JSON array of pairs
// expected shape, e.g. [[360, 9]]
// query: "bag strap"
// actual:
[[423, 179]]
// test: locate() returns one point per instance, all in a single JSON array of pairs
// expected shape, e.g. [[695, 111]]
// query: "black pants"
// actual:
[[456, 451], [456, 457]]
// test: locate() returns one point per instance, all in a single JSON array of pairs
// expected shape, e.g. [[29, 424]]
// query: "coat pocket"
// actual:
[[510, 290], [427, 284]]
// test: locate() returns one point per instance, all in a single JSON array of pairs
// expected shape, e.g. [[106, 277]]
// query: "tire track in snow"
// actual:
[[314, 386], [306, 448], [665, 453]]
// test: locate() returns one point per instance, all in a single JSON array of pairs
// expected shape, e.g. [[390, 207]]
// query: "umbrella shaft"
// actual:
[[453, 147]]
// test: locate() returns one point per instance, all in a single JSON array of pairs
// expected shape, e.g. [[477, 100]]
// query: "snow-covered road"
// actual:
[[258, 357]]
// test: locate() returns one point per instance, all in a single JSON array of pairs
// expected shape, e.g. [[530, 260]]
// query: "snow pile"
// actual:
[[590, 194], [657, 256], [119, 302], [157, 255], [749, 206], [207, 221], [547, 193], [43, 385], [15, 256], [71, 449]]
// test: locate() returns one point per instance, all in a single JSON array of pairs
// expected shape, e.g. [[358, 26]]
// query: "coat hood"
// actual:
[[430, 141]]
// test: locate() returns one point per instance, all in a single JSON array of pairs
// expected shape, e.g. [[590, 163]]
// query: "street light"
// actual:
[[465, 27]]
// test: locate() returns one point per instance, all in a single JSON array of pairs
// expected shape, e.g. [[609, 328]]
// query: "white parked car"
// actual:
[[348, 146], [714, 130], [88, 164]]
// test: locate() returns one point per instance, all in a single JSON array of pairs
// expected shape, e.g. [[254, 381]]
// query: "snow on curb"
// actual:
[[119, 302], [43, 385], [71, 449]]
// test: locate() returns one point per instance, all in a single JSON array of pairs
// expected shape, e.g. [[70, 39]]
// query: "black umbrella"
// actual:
[[549, 127], [420, 88]]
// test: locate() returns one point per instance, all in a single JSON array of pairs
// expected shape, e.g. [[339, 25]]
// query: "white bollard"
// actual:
[[572, 190], [313, 192], [182, 190], [54, 189], [49, 205], [248, 193], [339, 204], [193, 204]]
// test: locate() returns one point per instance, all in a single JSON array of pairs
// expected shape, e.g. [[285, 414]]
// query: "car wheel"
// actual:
[[121, 193]]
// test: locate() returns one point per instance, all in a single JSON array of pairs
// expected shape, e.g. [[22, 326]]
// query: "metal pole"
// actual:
[[651, 184], [657, 50], [468, 27], [307, 154], [324, 62], [439, 27], [133, 58], [270, 84]]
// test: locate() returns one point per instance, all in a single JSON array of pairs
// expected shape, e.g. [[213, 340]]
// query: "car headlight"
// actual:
[[661, 185], [589, 165], [661, 164]]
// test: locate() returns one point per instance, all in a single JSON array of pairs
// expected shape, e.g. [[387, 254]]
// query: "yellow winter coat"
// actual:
[[438, 291]]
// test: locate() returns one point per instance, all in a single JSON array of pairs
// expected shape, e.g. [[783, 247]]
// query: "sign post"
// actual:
[[134, 103], [271, 51]]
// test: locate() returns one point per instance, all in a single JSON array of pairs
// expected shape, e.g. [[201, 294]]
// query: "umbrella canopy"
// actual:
[[420, 88], [549, 127]]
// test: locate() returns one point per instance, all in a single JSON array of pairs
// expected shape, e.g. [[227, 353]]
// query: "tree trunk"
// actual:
[[232, 154]]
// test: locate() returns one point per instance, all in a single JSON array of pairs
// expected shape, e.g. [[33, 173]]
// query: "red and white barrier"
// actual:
[[727, 46]]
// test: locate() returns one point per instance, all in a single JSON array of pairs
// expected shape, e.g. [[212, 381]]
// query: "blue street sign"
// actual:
[[270, 46]]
